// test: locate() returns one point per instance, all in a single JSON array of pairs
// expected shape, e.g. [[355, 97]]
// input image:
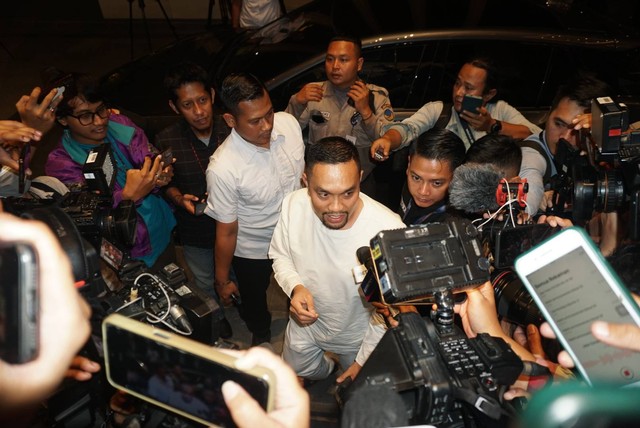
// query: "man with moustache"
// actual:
[[192, 140], [344, 105], [247, 178], [314, 251], [477, 77]]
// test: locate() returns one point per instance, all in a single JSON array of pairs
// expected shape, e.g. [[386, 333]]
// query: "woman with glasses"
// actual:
[[88, 123]]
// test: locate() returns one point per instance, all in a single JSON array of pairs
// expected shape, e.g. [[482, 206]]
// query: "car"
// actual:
[[414, 66]]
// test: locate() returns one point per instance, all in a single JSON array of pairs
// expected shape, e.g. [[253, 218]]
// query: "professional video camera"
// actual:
[[605, 178], [166, 299], [438, 372]]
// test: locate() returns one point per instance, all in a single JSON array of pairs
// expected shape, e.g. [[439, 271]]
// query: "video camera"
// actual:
[[438, 372], [166, 299], [607, 177]]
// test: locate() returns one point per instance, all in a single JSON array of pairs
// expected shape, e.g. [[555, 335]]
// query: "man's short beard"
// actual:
[[331, 226]]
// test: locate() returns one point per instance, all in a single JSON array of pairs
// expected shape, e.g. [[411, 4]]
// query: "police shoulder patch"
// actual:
[[388, 112]]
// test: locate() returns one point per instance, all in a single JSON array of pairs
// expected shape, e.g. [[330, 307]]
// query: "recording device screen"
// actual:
[[175, 378], [576, 294], [509, 243]]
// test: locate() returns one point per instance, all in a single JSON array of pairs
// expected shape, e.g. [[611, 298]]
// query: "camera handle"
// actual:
[[444, 314]]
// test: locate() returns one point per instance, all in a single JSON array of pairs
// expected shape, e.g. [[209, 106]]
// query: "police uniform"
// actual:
[[334, 116]]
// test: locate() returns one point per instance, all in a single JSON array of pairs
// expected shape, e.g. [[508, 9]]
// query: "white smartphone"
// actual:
[[573, 285], [176, 373]]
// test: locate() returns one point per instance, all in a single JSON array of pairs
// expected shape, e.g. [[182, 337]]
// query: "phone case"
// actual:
[[471, 103], [566, 281], [199, 356]]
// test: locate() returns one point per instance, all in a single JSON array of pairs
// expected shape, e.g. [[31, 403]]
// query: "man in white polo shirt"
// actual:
[[247, 178]]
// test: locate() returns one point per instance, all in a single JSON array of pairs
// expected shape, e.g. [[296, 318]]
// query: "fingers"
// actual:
[[535, 341], [626, 336], [546, 331], [17, 132], [245, 411], [380, 147]]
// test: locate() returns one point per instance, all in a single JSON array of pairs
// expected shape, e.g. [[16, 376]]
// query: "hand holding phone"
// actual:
[[291, 404], [574, 286], [63, 316], [129, 346]]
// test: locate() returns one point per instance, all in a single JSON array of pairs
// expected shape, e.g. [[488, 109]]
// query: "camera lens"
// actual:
[[513, 301]]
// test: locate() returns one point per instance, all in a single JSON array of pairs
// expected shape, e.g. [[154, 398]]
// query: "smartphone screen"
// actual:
[[18, 303], [174, 378], [573, 291], [509, 243]]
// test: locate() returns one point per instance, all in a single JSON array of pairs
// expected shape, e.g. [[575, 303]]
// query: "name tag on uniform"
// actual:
[[351, 139]]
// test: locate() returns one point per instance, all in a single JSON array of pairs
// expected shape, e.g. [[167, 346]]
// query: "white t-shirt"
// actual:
[[304, 251], [258, 13], [248, 183]]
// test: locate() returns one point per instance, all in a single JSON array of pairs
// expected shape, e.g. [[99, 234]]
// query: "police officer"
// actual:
[[344, 105]]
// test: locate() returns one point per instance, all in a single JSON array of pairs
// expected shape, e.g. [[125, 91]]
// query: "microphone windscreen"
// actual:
[[473, 188]]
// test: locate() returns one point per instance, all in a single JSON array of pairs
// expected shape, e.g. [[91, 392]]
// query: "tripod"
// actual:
[[142, 6]]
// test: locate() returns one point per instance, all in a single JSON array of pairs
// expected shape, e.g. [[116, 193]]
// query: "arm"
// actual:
[[225, 246], [236, 7], [399, 135], [479, 315], [179, 199], [298, 102], [514, 124], [372, 120]]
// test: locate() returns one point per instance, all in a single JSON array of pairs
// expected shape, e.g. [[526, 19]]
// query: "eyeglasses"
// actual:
[[87, 118]]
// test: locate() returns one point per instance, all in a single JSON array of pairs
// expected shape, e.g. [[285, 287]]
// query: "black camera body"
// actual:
[[95, 218], [435, 368], [416, 262]]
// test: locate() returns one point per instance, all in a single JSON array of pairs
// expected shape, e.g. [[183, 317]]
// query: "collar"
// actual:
[[247, 150], [116, 132]]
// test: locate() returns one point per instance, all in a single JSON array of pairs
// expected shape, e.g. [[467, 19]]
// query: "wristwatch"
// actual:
[[496, 127]]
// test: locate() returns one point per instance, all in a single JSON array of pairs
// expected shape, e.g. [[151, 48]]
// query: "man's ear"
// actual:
[[173, 107], [360, 62], [361, 172], [213, 95], [62, 121], [305, 181], [489, 95], [229, 119]]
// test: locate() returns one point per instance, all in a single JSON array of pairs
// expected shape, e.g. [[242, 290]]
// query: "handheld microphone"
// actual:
[[364, 257], [180, 319]]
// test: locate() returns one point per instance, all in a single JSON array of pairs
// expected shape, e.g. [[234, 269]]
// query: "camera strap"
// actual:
[[487, 405]]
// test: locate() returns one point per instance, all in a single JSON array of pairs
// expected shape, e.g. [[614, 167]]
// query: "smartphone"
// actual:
[[167, 157], [471, 103], [573, 285], [201, 205], [177, 373], [18, 303]]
